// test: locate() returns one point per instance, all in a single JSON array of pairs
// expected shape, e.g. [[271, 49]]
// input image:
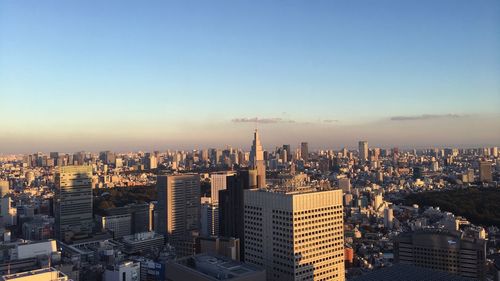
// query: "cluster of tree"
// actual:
[[480, 206], [121, 196]]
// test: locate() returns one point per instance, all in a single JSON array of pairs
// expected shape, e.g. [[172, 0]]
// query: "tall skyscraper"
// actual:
[[288, 149], [494, 151], [73, 202], [179, 210], [257, 160], [231, 205], [485, 171], [388, 217], [7, 212], [363, 151], [304, 151], [296, 235], [218, 181], [209, 220], [4, 188]]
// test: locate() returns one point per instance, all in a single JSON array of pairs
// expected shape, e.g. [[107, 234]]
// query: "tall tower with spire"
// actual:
[[257, 160]]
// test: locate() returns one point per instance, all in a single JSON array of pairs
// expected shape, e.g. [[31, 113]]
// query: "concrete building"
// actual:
[[125, 271], [231, 205], [119, 225], [442, 250], [345, 185], [73, 202], [40, 228], [141, 215], [304, 151], [388, 217], [221, 246], [218, 181], [140, 242], [257, 160], [209, 220], [44, 274], [485, 171], [4, 188], [8, 214], [363, 151], [31, 250], [204, 267], [179, 210], [295, 234], [399, 272]]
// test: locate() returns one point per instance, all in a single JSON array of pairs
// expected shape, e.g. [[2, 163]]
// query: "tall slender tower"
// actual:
[[304, 151], [257, 160], [363, 151]]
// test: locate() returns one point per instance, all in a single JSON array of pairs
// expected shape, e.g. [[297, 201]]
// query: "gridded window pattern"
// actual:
[[253, 235], [319, 243], [456, 260], [295, 240]]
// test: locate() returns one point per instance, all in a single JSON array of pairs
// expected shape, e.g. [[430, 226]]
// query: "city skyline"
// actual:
[[116, 75], [246, 140], [295, 146]]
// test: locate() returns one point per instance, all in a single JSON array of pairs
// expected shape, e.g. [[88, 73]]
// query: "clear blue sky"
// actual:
[[158, 74]]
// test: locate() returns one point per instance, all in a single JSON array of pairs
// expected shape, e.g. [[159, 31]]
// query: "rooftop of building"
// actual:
[[295, 189], [218, 267], [444, 233], [60, 275], [408, 273], [143, 236]]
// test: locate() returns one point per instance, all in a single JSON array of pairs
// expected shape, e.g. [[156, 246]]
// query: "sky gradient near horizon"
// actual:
[[129, 75]]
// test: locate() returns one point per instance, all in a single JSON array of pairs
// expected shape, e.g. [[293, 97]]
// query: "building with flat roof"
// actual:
[[222, 246], [408, 272], [119, 225], [73, 202], [179, 210], [295, 233], [141, 215], [485, 171], [125, 271], [44, 274], [205, 267], [444, 250], [141, 242], [218, 181]]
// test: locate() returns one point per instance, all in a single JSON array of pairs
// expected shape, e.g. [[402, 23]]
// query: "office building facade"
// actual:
[[443, 250], [296, 235], [73, 202], [179, 210]]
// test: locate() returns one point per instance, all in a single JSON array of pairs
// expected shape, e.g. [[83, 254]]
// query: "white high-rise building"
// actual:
[[126, 271], [257, 160], [295, 235], [218, 182], [7, 212]]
